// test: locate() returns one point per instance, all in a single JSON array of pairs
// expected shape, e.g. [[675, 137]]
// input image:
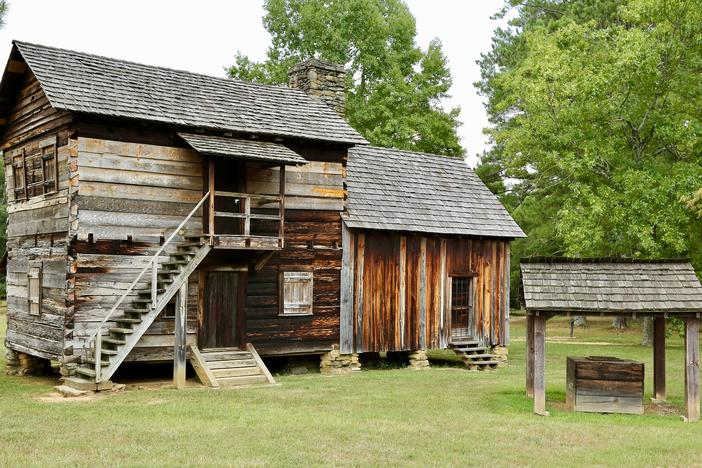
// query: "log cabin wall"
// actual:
[[37, 220], [313, 202], [401, 287], [124, 190]]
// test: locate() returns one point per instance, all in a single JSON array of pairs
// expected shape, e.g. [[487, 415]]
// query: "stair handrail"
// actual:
[[153, 264]]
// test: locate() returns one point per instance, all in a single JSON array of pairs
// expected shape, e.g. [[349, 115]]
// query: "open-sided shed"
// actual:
[[655, 288]]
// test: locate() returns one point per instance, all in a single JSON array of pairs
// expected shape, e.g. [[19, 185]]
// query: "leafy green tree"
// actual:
[[394, 88], [596, 125]]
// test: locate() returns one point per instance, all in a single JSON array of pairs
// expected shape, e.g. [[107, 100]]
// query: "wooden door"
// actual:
[[223, 321], [461, 308]]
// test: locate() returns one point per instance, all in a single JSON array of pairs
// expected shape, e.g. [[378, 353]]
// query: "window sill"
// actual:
[[306, 314]]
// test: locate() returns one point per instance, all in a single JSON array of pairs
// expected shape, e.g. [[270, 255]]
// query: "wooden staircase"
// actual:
[[133, 317], [230, 367], [474, 354]]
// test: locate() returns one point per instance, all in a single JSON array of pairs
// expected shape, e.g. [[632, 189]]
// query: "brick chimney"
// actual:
[[324, 80]]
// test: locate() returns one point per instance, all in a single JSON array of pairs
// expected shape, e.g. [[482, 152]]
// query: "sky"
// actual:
[[203, 36]]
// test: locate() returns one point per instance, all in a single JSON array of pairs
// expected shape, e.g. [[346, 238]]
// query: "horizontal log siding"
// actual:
[[128, 190], [312, 242], [37, 229], [379, 307]]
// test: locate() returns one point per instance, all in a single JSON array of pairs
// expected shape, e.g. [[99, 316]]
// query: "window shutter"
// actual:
[[297, 292], [34, 286]]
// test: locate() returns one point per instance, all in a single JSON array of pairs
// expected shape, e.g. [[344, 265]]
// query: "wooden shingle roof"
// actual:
[[91, 84], [242, 149], [587, 285], [399, 190]]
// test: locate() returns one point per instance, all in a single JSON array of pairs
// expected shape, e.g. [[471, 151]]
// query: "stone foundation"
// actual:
[[25, 364], [336, 363], [500, 354], [418, 359]]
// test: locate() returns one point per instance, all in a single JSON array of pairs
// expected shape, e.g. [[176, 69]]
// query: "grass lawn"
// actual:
[[442, 416]]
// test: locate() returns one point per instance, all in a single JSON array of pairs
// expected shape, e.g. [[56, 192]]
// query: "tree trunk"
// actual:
[[647, 339], [620, 322]]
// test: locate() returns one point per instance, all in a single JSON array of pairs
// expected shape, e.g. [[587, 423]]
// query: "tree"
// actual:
[[595, 119], [394, 89]]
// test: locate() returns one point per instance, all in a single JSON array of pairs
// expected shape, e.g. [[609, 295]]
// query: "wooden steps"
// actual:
[[474, 355], [230, 367]]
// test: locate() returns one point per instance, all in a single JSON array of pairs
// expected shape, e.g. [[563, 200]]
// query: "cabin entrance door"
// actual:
[[461, 308], [222, 322]]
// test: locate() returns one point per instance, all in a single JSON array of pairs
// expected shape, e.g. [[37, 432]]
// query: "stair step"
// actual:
[[226, 355], [469, 349], [175, 263], [85, 371], [114, 341], [133, 310], [91, 361], [483, 363], [79, 383], [167, 272], [127, 320], [123, 331], [456, 343], [231, 364], [109, 352], [477, 356], [243, 380], [236, 372], [148, 293]]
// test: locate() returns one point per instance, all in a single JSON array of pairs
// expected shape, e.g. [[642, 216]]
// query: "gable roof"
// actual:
[[242, 149], [406, 191], [80, 82], [607, 285]]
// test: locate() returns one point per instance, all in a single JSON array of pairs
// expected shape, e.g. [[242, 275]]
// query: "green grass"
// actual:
[[443, 416]]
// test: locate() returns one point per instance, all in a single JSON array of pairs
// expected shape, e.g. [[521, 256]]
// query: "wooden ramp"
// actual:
[[230, 367]]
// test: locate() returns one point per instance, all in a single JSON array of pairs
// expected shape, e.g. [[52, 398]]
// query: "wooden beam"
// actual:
[[281, 206], [659, 358], [443, 280], [346, 297], [16, 66], [539, 334], [423, 293], [360, 256], [530, 355], [203, 372], [692, 369], [180, 336], [402, 298], [211, 181]]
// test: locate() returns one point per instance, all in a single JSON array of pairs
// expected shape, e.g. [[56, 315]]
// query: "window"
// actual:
[[461, 307], [34, 285], [296, 293], [35, 170]]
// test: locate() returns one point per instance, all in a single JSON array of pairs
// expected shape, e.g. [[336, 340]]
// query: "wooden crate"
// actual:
[[605, 385]]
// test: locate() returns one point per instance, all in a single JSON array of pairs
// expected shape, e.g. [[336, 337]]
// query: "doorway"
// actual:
[[461, 308], [223, 320]]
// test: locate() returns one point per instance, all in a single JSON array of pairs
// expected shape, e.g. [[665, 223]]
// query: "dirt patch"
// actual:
[[55, 397]]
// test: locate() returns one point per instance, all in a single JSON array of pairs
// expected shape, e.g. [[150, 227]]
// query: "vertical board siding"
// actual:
[[388, 265]]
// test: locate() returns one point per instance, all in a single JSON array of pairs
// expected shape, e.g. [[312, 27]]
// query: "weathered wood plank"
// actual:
[[539, 337], [360, 258], [692, 369], [346, 293], [659, 358]]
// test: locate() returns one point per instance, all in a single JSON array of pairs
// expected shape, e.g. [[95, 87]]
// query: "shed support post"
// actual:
[[539, 334], [530, 355], [659, 358], [692, 369], [180, 336]]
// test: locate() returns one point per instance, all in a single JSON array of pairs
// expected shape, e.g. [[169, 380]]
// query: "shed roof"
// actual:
[[400, 190], [242, 149], [80, 82], [608, 285]]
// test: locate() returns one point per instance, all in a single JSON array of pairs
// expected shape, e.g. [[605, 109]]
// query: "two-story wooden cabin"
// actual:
[[146, 203]]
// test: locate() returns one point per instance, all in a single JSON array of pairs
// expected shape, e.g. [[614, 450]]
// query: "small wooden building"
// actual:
[[613, 287], [150, 210]]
